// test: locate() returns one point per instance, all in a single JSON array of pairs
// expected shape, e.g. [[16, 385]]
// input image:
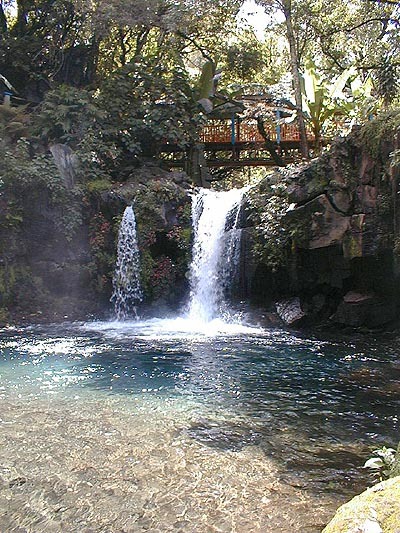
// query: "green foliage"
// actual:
[[146, 269], [381, 462], [102, 237], [98, 185], [150, 200], [268, 212], [4, 315], [251, 61], [7, 282], [379, 130], [13, 123], [387, 80], [65, 115], [146, 106], [395, 468], [26, 175], [323, 100], [162, 277], [395, 158]]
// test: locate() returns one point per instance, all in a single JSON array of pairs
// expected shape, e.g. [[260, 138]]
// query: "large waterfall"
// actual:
[[215, 251], [126, 283]]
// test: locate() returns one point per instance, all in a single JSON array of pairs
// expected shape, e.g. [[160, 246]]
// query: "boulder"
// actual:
[[376, 510], [364, 309], [66, 162], [290, 311]]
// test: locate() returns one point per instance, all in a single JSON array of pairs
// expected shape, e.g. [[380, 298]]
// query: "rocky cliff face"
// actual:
[[58, 251], [333, 254], [320, 242]]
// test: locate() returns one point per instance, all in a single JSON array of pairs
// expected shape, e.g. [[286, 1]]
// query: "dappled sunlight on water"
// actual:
[[168, 426]]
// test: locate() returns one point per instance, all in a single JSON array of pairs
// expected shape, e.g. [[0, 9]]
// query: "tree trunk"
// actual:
[[3, 20], [296, 77], [269, 145], [22, 18]]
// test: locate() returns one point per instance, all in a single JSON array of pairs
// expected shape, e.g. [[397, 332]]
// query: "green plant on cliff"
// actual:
[[379, 130], [13, 123], [147, 105], [395, 468], [395, 158], [65, 115], [324, 101], [102, 234], [268, 212], [26, 174]]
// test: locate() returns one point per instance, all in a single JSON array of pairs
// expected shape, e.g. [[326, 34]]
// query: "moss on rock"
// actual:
[[378, 507]]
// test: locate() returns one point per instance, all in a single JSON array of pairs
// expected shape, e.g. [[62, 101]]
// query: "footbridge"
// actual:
[[238, 143]]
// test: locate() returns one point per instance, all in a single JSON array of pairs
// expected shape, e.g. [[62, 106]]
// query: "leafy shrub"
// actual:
[[381, 462], [66, 114]]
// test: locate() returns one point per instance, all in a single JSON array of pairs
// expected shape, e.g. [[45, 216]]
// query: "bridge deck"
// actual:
[[234, 144]]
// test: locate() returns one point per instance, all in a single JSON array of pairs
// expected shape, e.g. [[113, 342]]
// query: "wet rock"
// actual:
[[307, 183], [364, 309], [367, 197], [66, 162], [353, 239], [328, 226], [290, 311], [367, 170], [341, 200]]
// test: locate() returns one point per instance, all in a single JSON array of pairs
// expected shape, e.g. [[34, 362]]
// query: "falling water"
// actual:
[[215, 251], [126, 283]]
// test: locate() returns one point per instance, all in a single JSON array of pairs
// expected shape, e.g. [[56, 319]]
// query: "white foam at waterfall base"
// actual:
[[126, 282], [215, 253], [171, 328]]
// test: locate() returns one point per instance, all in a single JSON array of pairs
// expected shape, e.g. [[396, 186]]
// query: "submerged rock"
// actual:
[[376, 510]]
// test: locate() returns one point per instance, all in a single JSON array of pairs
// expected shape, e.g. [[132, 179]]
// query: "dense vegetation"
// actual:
[[114, 81]]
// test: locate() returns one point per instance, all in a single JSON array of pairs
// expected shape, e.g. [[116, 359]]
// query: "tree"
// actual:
[[288, 9], [324, 100], [360, 34]]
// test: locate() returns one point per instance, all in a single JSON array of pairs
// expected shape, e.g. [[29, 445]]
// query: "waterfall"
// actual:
[[126, 283], [216, 251]]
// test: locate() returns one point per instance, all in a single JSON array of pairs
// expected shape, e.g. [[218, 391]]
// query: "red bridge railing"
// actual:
[[221, 132]]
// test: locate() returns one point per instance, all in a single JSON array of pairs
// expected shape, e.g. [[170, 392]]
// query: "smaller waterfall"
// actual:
[[126, 282], [215, 251]]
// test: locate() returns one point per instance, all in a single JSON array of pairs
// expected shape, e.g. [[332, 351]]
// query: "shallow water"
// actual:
[[166, 425]]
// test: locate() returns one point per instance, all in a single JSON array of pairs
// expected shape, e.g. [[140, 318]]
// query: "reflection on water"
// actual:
[[219, 426]]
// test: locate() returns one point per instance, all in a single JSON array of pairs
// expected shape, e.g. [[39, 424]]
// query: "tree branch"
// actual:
[[389, 2], [203, 52]]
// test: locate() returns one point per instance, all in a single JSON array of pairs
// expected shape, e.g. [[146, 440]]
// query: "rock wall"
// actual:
[[333, 256], [58, 251]]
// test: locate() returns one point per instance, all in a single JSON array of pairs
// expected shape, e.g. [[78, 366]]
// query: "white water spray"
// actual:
[[126, 282], [215, 251]]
